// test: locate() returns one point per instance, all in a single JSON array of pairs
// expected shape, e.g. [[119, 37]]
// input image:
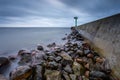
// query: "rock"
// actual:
[[21, 52], [57, 49], [70, 52], [51, 45], [37, 57], [25, 58], [57, 59], [98, 74], [65, 75], [52, 75], [86, 51], [45, 57], [49, 53], [79, 52], [53, 65], [2, 77], [12, 57], [66, 56], [50, 58], [73, 77], [68, 69], [77, 68], [4, 64], [66, 49], [21, 73], [64, 38], [3, 61], [66, 59], [40, 48], [39, 72]]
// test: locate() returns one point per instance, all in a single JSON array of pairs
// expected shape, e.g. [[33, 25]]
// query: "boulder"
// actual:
[[40, 48], [12, 57], [4, 61], [21, 52], [52, 75], [37, 56], [25, 57], [21, 73], [51, 45], [4, 64]]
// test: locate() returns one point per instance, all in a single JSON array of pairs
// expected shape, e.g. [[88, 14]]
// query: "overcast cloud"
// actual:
[[54, 13]]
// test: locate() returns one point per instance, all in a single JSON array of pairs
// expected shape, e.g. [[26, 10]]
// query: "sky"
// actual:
[[54, 13]]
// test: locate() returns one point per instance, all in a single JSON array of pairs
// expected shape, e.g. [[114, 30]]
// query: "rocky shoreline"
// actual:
[[75, 60]]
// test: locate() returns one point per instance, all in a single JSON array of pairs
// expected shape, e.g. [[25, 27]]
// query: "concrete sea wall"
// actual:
[[105, 34]]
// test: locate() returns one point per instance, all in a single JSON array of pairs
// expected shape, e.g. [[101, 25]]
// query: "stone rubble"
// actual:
[[75, 60]]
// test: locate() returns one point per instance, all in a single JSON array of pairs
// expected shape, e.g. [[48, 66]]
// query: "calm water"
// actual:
[[14, 39]]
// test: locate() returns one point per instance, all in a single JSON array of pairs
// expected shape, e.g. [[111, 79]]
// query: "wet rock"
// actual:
[[64, 38], [2, 77], [37, 56], [40, 48], [21, 73], [12, 57], [21, 52], [3, 61], [66, 45], [25, 57], [51, 45], [68, 69], [52, 75], [4, 64]]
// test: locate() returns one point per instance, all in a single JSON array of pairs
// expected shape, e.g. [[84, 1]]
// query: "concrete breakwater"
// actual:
[[74, 60], [105, 34]]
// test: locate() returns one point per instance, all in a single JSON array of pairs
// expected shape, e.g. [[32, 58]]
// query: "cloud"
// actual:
[[47, 13], [35, 21]]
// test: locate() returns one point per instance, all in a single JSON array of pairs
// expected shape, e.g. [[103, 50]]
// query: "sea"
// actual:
[[16, 38], [13, 39]]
